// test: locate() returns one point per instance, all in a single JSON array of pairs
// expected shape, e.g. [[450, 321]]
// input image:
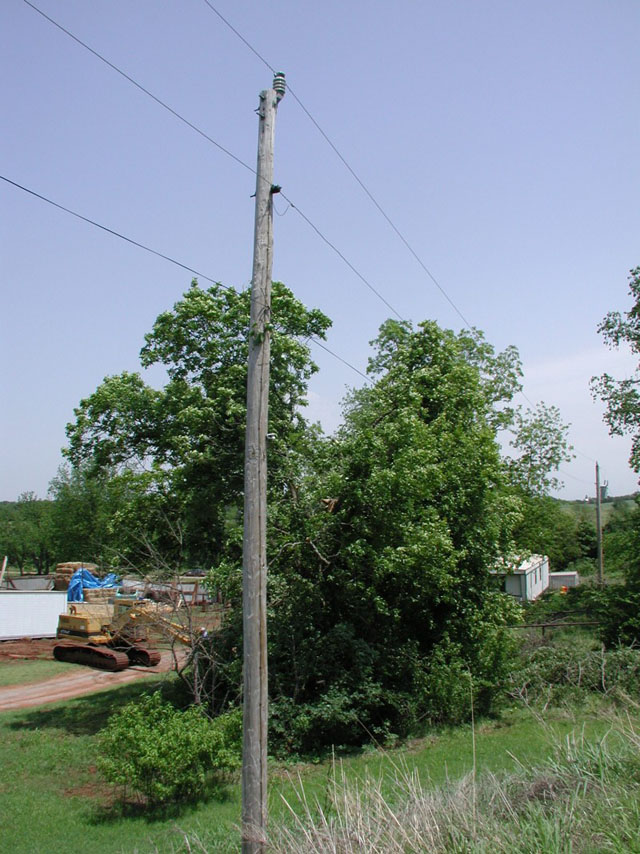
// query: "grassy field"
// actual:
[[582, 799], [588, 511], [52, 799], [24, 672]]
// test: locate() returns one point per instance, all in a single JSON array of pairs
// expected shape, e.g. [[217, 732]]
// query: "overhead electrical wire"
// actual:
[[142, 88], [347, 165], [222, 148], [113, 232], [241, 37], [586, 456], [344, 361], [241, 162], [340, 255], [573, 477], [158, 254], [362, 185]]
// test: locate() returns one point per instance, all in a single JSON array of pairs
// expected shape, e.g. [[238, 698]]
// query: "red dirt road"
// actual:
[[77, 682]]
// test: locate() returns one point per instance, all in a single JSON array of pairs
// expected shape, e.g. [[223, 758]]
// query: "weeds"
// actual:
[[552, 674], [558, 808]]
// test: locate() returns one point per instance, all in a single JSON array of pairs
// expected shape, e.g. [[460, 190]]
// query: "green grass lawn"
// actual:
[[52, 799], [502, 745], [23, 672]]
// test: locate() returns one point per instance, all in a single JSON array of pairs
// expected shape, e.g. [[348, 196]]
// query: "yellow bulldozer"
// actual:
[[115, 643]]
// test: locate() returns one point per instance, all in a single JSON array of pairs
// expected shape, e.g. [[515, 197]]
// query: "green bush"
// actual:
[[166, 755], [620, 614]]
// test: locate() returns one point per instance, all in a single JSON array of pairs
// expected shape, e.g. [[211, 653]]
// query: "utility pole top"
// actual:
[[279, 85]]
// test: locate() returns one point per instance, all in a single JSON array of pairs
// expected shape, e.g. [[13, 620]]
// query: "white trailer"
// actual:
[[526, 580], [31, 613]]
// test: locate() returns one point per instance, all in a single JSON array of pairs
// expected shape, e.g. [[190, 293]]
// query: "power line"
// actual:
[[238, 160], [383, 212], [241, 37], [340, 255], [200, 275], [347, 165], [573, 477], [366, 190], [344, 361], [113, 232], [210, 139], [529, 401], [155, 252], [142, 88], [586, 456]]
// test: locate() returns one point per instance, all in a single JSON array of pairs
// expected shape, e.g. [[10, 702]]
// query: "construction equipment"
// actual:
[[118, 643]]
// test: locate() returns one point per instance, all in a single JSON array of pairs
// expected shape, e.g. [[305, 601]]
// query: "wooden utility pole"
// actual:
[[599, 529], [254, 587]]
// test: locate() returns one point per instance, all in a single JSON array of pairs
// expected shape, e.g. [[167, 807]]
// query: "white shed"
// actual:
[[31, 613], [526, 580], [558, 580]]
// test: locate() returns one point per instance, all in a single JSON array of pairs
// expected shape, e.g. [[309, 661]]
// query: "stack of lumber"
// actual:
[[99, 594], [64, 571]]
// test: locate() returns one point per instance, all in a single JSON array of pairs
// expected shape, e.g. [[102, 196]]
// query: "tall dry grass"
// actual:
[[586, 799]]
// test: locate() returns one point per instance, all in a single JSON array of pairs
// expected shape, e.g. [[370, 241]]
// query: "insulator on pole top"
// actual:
[[279, 85]]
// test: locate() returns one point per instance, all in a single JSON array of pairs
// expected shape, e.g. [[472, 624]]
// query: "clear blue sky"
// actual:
[[502, 138]]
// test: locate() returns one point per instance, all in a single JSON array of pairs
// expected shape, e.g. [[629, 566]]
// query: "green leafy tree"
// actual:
[[176, 454], [540, 440], [619, 537], [27, 533], [82, 507], [548, 527], [622, 415], [622, 397], [382, 614]]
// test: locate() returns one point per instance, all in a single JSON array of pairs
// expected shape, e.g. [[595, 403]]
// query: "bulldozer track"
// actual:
[[101, 658]]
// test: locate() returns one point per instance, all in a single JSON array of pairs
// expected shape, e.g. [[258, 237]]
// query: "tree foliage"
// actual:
[[382, 608], [622, 397], [27, 533], [167, 755], [548, 527], [381, 603], [540, 440], [176, 454]]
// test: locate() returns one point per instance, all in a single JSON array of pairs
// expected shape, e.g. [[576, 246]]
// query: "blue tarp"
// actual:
[[82, 578]]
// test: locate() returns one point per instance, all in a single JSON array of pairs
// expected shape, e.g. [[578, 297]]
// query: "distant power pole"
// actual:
[[599, 529], [254, 587]]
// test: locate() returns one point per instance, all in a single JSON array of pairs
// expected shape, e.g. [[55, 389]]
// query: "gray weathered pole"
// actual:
[[599, 529], [254, 590]]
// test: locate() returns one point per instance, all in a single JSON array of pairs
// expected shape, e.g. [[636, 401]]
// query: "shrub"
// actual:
[[552, 672], [167, 755], [620, 614]]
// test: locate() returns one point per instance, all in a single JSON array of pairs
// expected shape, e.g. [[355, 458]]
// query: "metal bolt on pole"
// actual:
[[254, 591]]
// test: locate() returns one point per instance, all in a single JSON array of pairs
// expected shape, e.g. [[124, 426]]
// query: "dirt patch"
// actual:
[[95, 789], [79, 681], [27, 649]]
